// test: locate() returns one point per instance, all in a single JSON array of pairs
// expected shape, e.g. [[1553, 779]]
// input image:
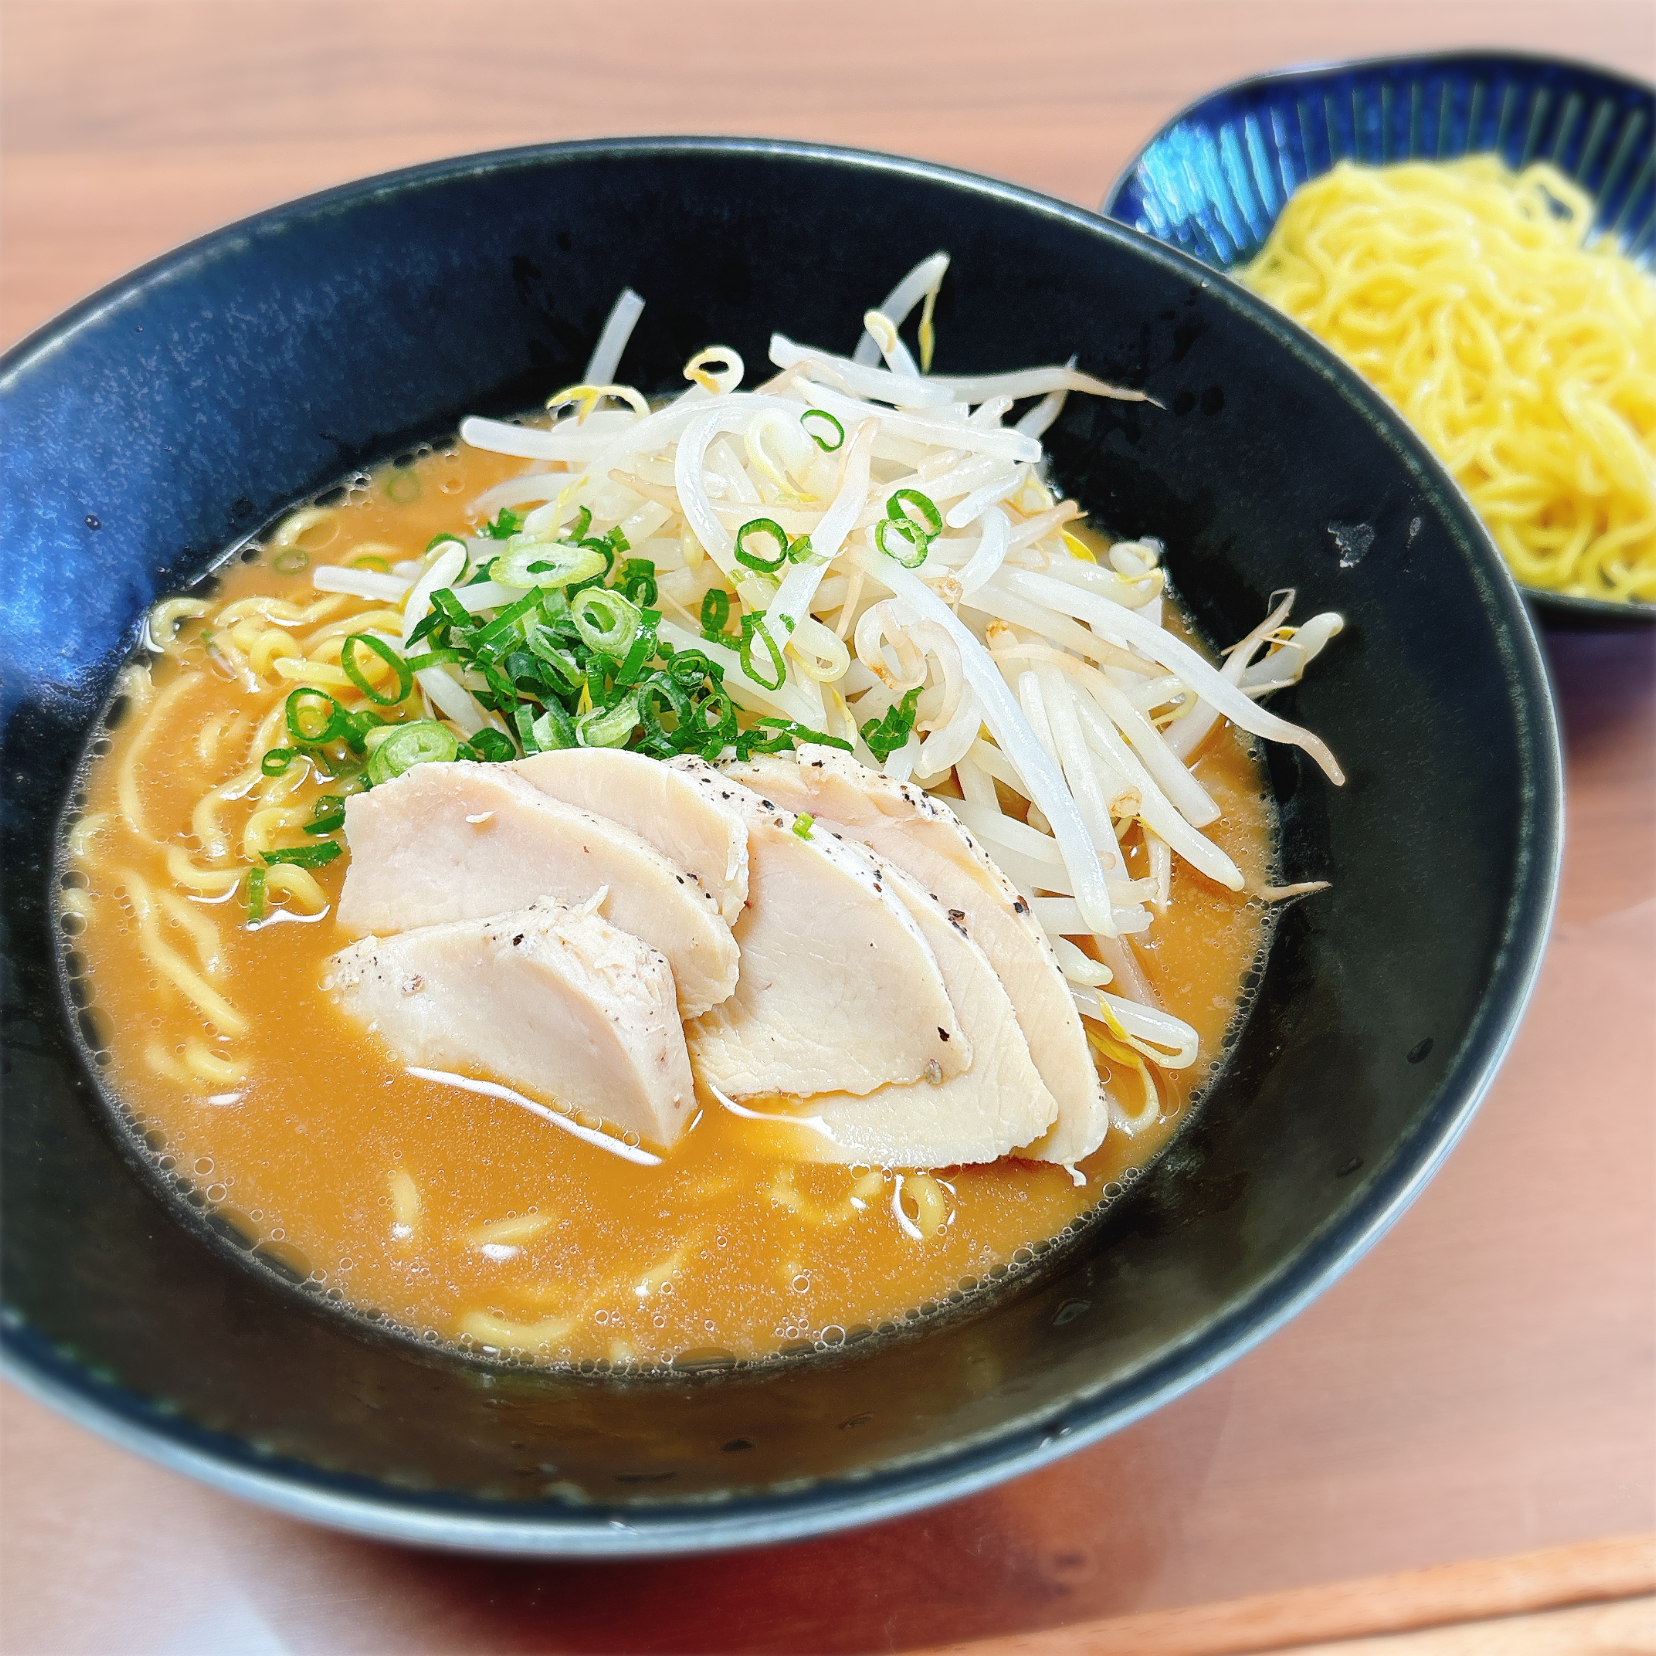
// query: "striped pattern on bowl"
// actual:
[[1214, 179]]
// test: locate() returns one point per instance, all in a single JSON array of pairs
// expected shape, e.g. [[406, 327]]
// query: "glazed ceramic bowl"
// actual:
[[1214, 179], [162, 420]]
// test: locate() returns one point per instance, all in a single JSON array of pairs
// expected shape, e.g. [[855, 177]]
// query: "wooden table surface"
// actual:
[[1463, 1427]]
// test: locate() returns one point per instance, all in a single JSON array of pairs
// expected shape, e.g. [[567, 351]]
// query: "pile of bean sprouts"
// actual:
[[918, 597]]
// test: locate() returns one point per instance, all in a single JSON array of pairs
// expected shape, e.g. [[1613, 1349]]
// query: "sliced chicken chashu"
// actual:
[[552, 1000], [839, 990], [923, 838], [691, 828], [464, 841], [980, 1115]]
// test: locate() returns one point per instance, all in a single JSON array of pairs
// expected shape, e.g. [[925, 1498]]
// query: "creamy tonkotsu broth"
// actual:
[[203, 880]]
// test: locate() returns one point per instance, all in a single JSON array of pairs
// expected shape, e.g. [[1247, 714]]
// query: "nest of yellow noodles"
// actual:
[[1466, 293]]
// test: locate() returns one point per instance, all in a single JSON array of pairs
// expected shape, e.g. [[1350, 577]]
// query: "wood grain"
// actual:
[[132, 125], [1625, 1629], [1479, 1387], [1476, 1606]]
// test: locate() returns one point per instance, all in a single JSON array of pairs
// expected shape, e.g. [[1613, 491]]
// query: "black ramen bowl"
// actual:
[[164, 419]]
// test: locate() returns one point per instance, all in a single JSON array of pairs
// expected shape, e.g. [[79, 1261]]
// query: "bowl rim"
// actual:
[[360, 1506], [1571, 611]]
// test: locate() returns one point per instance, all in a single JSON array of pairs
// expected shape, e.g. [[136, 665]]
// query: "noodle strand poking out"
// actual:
[[1525, 357]]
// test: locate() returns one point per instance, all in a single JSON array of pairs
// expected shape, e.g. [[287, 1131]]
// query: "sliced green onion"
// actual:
[[608, 726], [902, 540], [423, 742], [523, 716], [428, 626], [256, 894], [829, 424], [290, 560], [775, 735], [502, 632], [503, 524], [334, 726], [758, 528], [715, 611], [690, 667], [755, 630], [435, 658], [560, 661], [578, 529], [925, 514], [453, 611], [660, 694], [640, 650], [347, 660], [438, 540], [277, 760], [712, 723], [488, 747], [532, 562], [638, 581], [402, 487], [544, 732], [799, 551], [885, 736], [605, 620], [605, 547], [327, 814], [802, 824], [358, 727], [373, 561], [305, 856]]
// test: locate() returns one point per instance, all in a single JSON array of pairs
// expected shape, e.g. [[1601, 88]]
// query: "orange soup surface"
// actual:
[[464, 1218]]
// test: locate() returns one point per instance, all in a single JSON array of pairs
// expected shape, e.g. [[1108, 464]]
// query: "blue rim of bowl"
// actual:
[[1563, 609], [360, 1506]]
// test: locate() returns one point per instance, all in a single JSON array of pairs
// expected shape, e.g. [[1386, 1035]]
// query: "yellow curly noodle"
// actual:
[[245, 650], [454, 1215], [1525, 357]]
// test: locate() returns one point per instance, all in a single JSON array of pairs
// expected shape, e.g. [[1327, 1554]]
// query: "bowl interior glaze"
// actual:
[[168, 416]]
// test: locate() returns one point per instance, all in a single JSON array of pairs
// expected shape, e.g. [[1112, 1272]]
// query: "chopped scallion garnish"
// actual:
[[902, 540], [532, 562], [605, 620], [347, 655], [802, 824], [885, 736], [767, 671], [759, 530], [491, 747], [305, 856], [608, 726], [715, 611], [301, 720], [924, 515], [828, 424], [638, 581], [255, 894], [420, 743]]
